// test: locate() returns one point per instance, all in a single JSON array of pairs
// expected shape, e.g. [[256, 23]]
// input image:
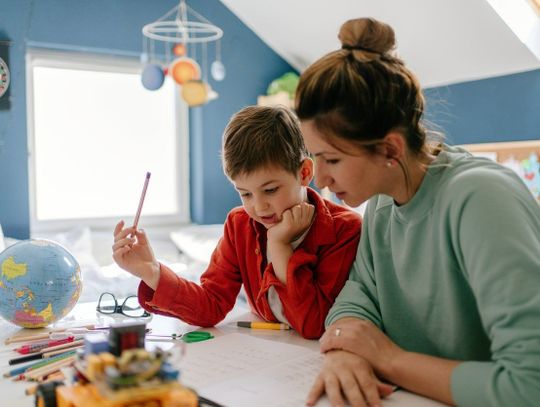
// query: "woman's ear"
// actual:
[[393, 147], [306, 171]]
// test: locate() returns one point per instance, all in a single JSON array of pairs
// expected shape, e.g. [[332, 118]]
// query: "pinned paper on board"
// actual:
[[529, 171], [521, 156]]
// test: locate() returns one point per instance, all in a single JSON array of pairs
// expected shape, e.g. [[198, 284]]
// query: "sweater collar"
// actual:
[[423, 200]]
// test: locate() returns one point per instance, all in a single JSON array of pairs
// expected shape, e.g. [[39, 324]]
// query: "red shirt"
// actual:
[[316, 272]]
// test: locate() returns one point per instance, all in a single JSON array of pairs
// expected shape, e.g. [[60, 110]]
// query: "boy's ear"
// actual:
[[306, 171]]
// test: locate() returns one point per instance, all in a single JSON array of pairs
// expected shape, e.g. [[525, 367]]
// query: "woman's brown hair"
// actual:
[[362, 92]]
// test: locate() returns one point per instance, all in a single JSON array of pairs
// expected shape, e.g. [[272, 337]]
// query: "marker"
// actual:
[[36, 347], [263, 325]]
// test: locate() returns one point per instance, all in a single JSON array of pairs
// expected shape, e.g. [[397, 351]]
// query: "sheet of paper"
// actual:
[[242, 370], [284, 385], [234, 356]]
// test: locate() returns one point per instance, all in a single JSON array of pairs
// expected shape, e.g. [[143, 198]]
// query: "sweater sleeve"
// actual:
[[203, 304], [314, 280], [497, 241], [358, 298]]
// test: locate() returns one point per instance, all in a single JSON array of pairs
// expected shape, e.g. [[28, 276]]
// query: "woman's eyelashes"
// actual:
[[329, 161]]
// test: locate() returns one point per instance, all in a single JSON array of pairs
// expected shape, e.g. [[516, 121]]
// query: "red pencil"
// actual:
[[141, 201]]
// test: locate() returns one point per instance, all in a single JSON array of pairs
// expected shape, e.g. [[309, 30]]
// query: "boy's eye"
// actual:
[[332, 161], [245, 195], [271, 190]]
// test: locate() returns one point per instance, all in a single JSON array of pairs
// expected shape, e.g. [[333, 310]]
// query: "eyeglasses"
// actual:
[[107, 304]]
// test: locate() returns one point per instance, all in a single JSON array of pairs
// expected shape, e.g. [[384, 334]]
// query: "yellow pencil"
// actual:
[[263, 325]]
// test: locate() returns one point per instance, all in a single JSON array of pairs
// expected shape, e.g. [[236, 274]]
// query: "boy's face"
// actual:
[[267, 192]]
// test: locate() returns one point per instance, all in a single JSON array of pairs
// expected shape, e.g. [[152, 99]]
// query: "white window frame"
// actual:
[[107, 63]]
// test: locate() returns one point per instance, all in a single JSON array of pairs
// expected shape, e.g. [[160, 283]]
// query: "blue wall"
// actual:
[[497, 109], [114, 26]]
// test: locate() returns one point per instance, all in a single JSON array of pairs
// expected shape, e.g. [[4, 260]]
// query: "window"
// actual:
[[94, 131]]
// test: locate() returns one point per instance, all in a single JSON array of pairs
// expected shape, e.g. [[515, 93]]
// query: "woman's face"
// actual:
[[353, 178]]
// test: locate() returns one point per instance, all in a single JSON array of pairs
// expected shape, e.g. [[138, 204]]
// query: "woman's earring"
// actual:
[[389, 163]]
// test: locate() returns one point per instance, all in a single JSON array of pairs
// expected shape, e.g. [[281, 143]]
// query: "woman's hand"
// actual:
[[349, 375], [135, 255], [364, 339]]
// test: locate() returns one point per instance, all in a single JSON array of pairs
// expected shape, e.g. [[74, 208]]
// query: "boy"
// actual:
[[291, 249]]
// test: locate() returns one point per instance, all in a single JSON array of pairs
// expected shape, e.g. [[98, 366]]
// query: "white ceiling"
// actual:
[[442, 41]]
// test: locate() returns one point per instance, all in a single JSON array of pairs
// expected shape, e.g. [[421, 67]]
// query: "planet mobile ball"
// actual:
[[195, 93], [217, 70], [179, 50], [184, 69], [152, 77]]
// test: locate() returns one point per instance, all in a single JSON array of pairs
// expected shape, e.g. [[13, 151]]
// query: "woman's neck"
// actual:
[[408, 186]]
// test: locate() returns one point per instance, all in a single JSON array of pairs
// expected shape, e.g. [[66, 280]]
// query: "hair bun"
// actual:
[[367, 34]]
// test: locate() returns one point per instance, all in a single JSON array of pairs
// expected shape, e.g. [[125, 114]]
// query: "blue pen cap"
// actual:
[[95, 344], [168, 372]]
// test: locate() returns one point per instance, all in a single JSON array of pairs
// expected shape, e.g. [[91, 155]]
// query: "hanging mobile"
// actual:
[[180, 31]]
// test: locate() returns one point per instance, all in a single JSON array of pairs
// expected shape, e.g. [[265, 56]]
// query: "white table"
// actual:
[[12, 393]]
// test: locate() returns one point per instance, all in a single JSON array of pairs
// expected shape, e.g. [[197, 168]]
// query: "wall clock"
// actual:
[[4, 77]]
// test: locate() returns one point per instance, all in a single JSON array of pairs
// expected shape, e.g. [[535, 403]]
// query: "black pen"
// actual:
[[28, 358]]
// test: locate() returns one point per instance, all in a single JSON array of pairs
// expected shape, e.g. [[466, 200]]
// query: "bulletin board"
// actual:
[[521, 156]]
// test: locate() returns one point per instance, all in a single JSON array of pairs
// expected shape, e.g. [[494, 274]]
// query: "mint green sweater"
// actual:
[[455, 273]]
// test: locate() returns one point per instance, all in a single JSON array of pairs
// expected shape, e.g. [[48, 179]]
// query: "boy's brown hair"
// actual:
[[258, 137]]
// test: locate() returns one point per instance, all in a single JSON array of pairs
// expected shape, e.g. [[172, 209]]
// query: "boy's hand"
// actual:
[[294, 222], [135, 255]]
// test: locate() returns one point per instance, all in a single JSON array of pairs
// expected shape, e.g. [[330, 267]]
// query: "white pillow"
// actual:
[[198, 241]]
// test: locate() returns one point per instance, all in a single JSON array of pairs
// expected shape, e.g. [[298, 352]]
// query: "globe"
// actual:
[[40, 282]]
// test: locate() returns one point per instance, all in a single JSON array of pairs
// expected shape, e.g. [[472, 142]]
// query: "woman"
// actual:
[[444, 296]]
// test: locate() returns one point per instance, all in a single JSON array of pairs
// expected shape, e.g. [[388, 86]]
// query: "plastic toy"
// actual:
[[133, 377], [136, 378]]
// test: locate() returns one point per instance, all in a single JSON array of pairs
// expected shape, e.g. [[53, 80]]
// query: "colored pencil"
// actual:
[[50, 368], [46, 351], [43, 335], [22, 369]]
